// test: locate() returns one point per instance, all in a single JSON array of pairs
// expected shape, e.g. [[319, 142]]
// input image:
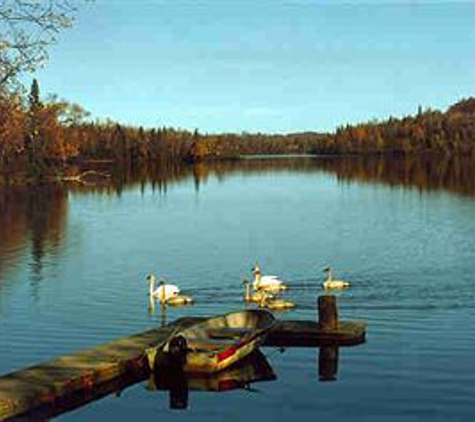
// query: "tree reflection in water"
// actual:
[[37, 215], [34, 219]]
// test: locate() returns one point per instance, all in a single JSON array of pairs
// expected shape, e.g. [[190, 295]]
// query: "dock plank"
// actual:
[[45, 384], [309, 334], [302, 333]]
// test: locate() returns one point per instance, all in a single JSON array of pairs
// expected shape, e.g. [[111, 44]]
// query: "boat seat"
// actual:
[[227, 333], [206, 345]]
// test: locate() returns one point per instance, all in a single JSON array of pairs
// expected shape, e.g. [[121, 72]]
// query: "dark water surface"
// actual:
[[73, 263]]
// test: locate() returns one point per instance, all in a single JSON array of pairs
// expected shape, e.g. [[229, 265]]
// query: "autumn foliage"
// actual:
[[43, 138], [452, 132]]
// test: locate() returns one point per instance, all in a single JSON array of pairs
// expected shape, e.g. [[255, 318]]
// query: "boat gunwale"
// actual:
[[221, 357], [242, 340]]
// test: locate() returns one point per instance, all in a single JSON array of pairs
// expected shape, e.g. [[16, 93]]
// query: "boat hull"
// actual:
[[219, 342]]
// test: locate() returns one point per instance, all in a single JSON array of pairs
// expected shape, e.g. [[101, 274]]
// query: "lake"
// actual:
[[74, 261]]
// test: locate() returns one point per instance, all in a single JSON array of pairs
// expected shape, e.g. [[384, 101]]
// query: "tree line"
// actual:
[[429, 131], [41, 138]]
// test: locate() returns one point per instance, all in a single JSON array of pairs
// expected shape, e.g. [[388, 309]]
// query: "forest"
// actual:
[[40, 139], [433, 131]]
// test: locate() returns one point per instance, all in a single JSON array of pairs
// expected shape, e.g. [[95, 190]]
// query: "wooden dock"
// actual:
[[309, 334], [53, 385], [47, 384]]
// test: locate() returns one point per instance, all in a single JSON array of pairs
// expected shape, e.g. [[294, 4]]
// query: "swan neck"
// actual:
[[257, 278], [151, 285]]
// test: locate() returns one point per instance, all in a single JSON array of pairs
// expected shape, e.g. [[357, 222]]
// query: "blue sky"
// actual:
[[267, 65]]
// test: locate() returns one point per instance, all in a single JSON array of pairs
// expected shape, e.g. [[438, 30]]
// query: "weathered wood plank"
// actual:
[[309, 334], [46, 384], [301, 333]]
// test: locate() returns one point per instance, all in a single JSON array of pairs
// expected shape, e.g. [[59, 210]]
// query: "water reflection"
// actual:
[[451, 173], [328, 363], [426, 173], [254, 368], [34, 218]]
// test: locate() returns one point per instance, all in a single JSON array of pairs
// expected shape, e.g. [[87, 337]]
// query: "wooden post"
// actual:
[[327, 313]]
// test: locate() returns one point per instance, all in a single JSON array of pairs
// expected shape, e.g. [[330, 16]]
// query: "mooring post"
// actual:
[[327, 313]]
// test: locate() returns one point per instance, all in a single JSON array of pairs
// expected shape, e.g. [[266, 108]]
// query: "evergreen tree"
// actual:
[[34, 97], [36, 164]]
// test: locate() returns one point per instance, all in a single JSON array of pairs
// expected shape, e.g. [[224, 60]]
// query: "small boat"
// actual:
[[215, 343]]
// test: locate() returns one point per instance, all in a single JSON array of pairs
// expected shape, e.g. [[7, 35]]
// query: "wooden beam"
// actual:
[[309, 334]]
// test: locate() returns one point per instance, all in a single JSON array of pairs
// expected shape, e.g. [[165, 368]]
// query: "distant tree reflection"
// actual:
[[34, 218], [426, 173]]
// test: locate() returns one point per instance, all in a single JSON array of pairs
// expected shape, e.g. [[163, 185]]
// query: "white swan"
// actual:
[[163, 292], [270, 283], [330, 283], [276, 304], [252, 297]]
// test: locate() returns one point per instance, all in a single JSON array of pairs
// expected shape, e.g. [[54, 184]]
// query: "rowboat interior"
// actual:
[[218, 342]]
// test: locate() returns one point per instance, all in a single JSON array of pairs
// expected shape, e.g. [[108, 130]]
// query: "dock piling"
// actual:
[[327, 313]]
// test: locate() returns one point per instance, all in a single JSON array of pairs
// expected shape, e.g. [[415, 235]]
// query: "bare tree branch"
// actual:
[[27, 27]]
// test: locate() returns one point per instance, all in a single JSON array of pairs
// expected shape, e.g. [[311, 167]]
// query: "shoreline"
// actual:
[[98, 171]]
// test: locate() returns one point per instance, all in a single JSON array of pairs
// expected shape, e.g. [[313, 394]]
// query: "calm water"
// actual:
[[73, 265]]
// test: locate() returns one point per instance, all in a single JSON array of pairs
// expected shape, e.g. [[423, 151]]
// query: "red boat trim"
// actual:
[[225, 354]]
